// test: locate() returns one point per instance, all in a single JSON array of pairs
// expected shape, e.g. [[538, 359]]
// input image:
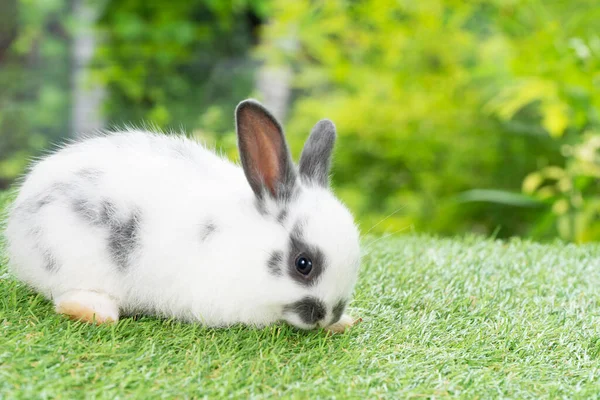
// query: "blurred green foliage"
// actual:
[[452, 116], [434, 99], [184, 65], [34, 82]]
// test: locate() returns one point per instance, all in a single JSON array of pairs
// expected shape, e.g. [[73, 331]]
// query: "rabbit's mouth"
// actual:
[[297, 323]]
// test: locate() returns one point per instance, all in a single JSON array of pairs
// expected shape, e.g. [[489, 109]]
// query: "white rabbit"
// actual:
[[140, 223]]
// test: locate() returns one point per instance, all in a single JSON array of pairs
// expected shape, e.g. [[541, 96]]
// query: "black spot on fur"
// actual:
[[338, 310], [103, 214], [50, 262], [85, 210], [208, 229], [298, 246], [123, 233], [123, 239], [107, 213], [274, 263], [309, 309], [47, 197], [282, 216]]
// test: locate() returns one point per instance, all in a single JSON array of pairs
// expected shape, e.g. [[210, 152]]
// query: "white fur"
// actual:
[[177, 185]]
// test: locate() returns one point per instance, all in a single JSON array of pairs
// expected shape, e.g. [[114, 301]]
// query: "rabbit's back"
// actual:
[[129, 160], [99, 208]]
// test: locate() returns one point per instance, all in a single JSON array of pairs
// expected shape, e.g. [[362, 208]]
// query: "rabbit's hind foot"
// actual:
[[88, 306]]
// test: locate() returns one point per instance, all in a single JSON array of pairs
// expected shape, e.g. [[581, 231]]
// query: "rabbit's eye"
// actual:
[[303, 265]]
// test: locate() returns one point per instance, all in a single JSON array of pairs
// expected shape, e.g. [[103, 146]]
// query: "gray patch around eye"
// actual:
[[338, 310], [297, 246], [208, 229], [124, 239], [310, 310], [274, 263]]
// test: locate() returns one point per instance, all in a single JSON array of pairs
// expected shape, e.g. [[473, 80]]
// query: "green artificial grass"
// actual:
[[466, 317]]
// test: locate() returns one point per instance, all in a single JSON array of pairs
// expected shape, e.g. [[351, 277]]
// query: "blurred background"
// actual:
[[453, 117]]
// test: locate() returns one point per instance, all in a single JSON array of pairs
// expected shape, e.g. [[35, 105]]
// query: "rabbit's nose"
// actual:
[[310, 310], [317, 315]]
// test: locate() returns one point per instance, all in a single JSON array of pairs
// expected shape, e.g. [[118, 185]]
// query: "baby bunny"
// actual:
[[141, 223]]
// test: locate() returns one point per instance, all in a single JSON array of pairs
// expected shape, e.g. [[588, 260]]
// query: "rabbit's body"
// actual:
[[135, 222]]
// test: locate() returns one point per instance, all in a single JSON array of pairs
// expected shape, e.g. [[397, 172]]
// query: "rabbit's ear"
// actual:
[[315, 160], [264, 152]]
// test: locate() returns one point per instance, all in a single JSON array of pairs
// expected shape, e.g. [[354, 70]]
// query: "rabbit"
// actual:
[[134, 222]]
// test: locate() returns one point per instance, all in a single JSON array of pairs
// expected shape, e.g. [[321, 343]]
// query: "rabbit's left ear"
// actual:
[[315, 160], [264, 152]]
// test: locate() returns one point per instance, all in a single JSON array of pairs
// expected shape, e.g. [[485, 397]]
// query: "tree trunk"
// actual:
[[273, 83], [87, 97]]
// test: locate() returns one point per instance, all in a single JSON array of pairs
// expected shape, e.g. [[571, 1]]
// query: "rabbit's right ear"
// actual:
[[264, 152], [315, 160]]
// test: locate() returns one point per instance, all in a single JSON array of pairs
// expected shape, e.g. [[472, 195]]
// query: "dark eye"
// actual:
[[303, 265]]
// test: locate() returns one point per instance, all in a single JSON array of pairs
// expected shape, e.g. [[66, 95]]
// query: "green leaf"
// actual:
[[555, 118]]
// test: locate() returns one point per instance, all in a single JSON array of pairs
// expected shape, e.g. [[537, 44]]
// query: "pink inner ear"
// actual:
[[264, 148]]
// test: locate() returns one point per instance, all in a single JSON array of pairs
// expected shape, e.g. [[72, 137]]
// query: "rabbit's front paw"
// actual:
[[344, 323]]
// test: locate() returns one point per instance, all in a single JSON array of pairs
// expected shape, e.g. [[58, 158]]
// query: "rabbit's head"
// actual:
[[317, 270]]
